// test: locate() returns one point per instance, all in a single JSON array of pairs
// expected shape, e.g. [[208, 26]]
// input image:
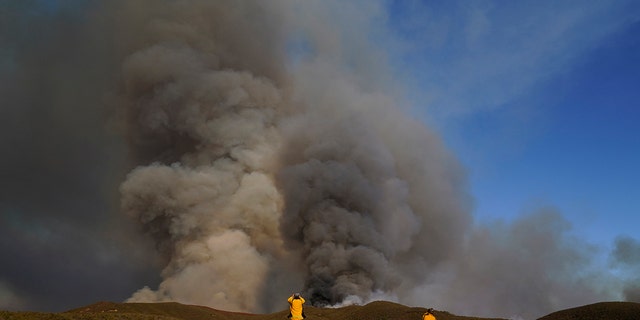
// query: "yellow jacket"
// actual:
[[428, 316], [295, 307]]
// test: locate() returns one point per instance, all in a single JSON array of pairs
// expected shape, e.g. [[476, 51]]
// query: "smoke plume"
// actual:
[[248, 165], [61, 235], [270, 152], [271, 163]]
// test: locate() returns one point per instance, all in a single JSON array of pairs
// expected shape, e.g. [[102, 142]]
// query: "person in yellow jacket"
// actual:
[[295, 307], [428, 315]]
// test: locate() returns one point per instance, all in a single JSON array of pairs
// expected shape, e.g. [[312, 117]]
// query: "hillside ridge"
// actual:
[[377, 310], [598, 311]]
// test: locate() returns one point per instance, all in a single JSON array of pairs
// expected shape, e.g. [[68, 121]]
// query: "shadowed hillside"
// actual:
[[379, 310], [599, 311]]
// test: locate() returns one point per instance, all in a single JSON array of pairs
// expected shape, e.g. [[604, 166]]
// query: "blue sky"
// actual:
[[538, 100]]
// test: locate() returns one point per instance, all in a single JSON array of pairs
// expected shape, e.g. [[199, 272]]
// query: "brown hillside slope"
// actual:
[[599, 311], [379, 310]]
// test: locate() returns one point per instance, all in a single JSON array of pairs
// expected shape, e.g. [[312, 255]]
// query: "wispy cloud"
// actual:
[[476, 56]]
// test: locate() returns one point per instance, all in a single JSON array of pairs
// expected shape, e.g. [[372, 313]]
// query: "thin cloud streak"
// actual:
[[481, 56]]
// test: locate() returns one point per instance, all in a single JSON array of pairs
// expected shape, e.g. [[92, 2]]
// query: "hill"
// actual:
[[379, 310], [599, 311]]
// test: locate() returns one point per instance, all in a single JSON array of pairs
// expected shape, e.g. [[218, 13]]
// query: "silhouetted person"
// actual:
[[295, 307], [428, 315]]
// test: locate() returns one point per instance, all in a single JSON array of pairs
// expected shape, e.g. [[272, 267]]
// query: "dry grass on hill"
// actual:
[[379, 310], [599, 311]]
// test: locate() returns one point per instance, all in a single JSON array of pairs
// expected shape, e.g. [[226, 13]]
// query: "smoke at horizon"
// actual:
[[256, 175]]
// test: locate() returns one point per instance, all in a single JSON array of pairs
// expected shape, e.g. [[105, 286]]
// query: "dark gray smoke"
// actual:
[[62, 240], [626, 256], [271, 154], [533, 261], [360, 203]]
